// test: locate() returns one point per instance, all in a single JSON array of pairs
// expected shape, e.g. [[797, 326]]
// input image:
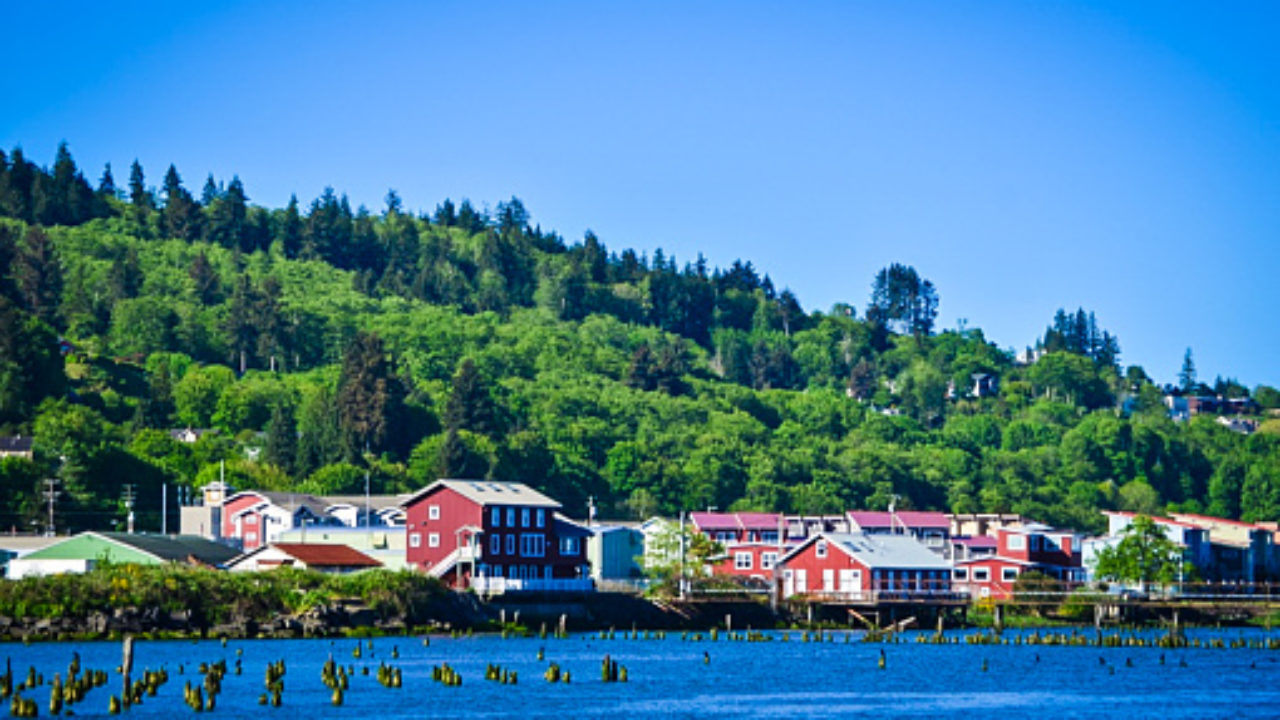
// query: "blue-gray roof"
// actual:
[[888, 551]]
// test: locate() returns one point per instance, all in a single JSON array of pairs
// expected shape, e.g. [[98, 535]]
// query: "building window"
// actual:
[[1017, 542], [769, 536], [511, 544], [250, 537], [542, 517], [524, 517], [495, 544], [768, 560], [433, 540], [981, 574], [433, 512], [415, 540], [1009, 574], [533, 545], [960, 574], [569, 546], [251, 520], [495, 517], [742, 561], [725, 536], [1035, 543], [497, 571], [511, 517], [934, 539], [822, 549]]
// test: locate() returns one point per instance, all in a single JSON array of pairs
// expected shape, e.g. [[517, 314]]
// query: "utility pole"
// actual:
[[51, 494], [128, 504], [681, 536], [164, 508]]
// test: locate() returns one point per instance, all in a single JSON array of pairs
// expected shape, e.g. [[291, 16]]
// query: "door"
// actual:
[[828, 580], [802, 580], [788, 584]]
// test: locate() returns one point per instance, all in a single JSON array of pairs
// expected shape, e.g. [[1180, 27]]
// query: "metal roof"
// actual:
[[15, 443], [487, 492], [175, 548], [900, 518], [886, 551]]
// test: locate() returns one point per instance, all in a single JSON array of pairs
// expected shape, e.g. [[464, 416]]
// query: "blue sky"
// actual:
[[1025, 156]]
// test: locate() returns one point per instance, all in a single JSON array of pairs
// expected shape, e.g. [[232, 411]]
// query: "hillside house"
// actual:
[[253, 518], [494, 537], [19, 446], [859, 567]]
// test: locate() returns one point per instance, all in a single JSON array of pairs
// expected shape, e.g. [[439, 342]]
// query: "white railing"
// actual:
[[500, 585]]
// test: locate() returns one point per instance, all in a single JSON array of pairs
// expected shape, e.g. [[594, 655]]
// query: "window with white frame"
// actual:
[[1009, 574], [742, 560], [981, 574], [524, 517], [433, 540], [960, 574], [415, 540], [533, 545], [511, 544], [433, 512], [821, 549], [542, 517], [768, 560], [495, 517], [495, 543], [1017, 542]]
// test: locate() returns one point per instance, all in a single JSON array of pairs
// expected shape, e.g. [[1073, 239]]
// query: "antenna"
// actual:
[[51, 494], [128, 504]]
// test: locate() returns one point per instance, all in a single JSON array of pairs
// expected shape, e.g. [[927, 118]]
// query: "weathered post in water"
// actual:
[[126, 666]]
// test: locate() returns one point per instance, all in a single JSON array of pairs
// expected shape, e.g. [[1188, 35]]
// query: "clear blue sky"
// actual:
[[1025, 156]]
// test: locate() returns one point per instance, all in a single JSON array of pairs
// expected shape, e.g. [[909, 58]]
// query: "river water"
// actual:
[[672, 677]]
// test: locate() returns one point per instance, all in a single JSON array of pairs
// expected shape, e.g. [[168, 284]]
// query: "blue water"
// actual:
[[670, 678]]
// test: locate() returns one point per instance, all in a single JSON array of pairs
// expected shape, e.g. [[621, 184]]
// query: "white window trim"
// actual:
[[415, 540], [743, 560], [820, 549], [1017, 542], [981, 574], [433, 512], [768, 560], [960, 573], [433, 540], [1008, 574]]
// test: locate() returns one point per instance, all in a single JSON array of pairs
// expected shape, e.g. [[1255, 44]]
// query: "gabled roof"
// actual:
[[487, 492], [878, 551], [713, 521], [326, 555], [1155, 518], [1194, 520], [759, 520], [568, 528], [15, 443], [163, 548], [376, 502], [902, 518], [976, 541], [288, 500]]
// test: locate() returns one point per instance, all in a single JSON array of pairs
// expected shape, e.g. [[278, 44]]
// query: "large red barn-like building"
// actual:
[[857, 567], [494, 537]]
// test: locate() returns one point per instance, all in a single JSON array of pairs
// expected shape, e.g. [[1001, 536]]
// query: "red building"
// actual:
[[254, 518], [857, 567], [730, 528], [931, 528], [749, 560], [494, 537], [1020, 549]]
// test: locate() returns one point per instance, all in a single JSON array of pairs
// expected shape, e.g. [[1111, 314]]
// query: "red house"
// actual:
[[494, 537], [730, 528], [857, 567], [931, 528], [1019, 549], [254, 518], [748, 560]]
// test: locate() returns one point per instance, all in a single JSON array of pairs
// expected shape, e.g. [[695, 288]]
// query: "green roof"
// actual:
[[143, 549]]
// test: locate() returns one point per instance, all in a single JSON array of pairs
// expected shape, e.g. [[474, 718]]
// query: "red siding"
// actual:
[[813, 567], [729, 565], [455, 512], [233, 506], [877, 580]]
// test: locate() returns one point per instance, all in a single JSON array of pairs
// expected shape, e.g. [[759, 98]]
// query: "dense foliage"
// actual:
[[213, 597], [325, 343]]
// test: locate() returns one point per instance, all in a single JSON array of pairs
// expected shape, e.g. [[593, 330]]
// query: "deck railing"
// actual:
[[501, 585]]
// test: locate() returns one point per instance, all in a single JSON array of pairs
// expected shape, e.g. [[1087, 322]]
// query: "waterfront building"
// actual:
[[329, 558], [82, 552], [862, 567]]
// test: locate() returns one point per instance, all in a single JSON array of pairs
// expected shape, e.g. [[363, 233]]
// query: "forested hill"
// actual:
[[324, 342]]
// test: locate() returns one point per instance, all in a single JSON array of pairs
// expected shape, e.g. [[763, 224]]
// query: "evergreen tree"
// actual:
[[641, 373], [228, 218], [240, 327], [157, 407], [31, 368], [289, 234], [124, 279], [320, 437], [457, 461], [273, 332], [16, 186], [39, 276], [470, 406], [182, 218], [1187, 376], [370, 399], [211, 192], [107, 183], [281, 447], [141, 202], [207, 284]]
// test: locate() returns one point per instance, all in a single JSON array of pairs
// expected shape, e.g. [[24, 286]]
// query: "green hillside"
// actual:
[[325, 342]]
